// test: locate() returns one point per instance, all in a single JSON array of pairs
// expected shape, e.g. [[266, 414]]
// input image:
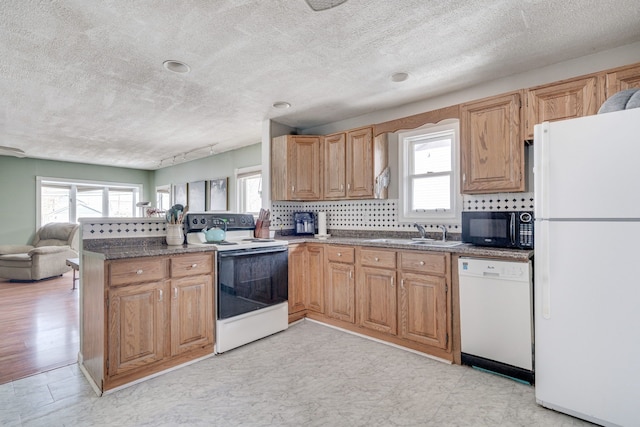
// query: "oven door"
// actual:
[[489, 228], [251, 279]]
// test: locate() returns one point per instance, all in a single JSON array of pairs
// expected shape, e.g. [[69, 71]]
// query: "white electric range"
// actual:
[[251, 288]]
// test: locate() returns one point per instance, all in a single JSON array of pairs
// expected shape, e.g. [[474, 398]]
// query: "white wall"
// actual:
[[585, 65], [216, 166]]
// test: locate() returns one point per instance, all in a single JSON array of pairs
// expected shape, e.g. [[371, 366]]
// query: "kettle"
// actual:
[[217, 233]]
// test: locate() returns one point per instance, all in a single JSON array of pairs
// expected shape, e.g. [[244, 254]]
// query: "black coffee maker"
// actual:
[[304, 223]]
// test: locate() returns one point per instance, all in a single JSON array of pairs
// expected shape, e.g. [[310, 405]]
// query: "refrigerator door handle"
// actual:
[[542, 268], [541, 170]]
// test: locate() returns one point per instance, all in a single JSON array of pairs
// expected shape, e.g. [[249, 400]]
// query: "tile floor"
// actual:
[[309, 375]]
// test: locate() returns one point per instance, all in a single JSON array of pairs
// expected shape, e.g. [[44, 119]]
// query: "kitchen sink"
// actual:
[[437, 243], [393, 241], [418, 241]]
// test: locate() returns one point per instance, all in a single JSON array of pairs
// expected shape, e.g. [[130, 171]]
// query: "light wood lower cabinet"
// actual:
[[191, 314], [152, 313], [314, 295], [397, 296], [136, 326], [306, 280], [376, 292], [341, 287], [425, 303]]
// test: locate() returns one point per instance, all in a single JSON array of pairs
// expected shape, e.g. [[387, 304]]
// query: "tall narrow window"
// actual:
[[428, 180], [249, 188]]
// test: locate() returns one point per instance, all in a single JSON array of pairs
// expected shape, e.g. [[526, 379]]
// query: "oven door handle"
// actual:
[[252, 251]]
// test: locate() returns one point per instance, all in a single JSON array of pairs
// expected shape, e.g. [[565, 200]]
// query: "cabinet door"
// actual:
[[297, 277], [560, 101], [360, 163], [621, 79], [305, 168], [191, 313], [378, 299], [314, 295], [423, 309], [335, 158], [492, 151], [341, 292], [136, 326]]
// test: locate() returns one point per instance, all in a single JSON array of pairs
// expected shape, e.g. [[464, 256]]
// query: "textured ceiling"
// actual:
[[83, 80]]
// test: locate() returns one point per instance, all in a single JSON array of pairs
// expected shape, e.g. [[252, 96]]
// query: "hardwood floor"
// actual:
[[39, 327]]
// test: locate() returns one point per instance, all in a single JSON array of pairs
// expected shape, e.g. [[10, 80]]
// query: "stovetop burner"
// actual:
[[223, 243]]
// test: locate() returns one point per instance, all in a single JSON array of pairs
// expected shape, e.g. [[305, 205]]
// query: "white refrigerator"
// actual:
[[587, 267]]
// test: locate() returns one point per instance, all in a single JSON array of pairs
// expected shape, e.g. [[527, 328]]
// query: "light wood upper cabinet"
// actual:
[[353, 160], [335, 159], [621, 79], [360, 163], [492, 150], [561, 100], [296, 167]]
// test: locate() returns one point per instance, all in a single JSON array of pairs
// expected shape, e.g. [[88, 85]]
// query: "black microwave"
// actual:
[[499, 229]]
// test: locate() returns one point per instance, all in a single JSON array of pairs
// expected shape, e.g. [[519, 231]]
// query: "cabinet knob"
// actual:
[[377, 259], [194, 265], [421, 262], [139, 271], [339, 253]]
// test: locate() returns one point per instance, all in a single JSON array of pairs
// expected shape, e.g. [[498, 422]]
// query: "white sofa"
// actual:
[[45, 257]]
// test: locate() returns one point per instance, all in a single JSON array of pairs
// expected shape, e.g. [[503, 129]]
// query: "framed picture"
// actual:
[[218, 194], [196, 192], [180, 194]]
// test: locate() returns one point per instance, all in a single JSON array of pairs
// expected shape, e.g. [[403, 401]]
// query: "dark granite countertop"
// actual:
[[125, 249], [464, 249]]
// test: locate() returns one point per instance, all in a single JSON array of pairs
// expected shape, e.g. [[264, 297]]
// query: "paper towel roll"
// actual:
[[322, 223]]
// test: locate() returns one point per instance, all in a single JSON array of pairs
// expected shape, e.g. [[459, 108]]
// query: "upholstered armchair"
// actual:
[[46, 257]]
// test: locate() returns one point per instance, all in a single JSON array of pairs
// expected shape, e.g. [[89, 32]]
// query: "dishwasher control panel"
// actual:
[[492, 268]]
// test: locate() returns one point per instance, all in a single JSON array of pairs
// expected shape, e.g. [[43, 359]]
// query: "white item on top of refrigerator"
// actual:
[[587, 293]]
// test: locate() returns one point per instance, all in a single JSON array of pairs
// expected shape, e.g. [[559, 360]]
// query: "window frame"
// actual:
[[405, 160], [242, 173], [137, 190]]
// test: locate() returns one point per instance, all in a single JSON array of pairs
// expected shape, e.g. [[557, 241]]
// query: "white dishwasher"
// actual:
[[496, 316]]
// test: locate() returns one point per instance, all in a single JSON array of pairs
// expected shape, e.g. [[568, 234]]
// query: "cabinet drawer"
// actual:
[[189, 265], [377, 258], [344, 254], [423, 262], [137, 270]]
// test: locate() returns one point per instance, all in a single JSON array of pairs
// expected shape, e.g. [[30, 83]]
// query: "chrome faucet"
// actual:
[[423, 233], [444, 232]]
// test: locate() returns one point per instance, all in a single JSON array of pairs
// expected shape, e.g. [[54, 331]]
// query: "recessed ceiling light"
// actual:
[[281, 104], [399, 77], [10, 151], [176, 66]]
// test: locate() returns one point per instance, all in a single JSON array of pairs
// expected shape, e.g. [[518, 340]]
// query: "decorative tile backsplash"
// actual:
[[498, 202], [383, 214], [117, 228], [341, 215]]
